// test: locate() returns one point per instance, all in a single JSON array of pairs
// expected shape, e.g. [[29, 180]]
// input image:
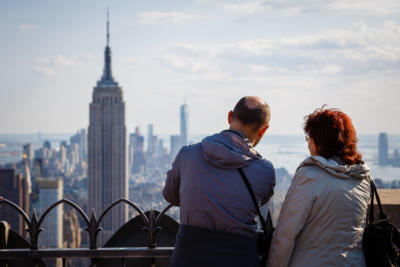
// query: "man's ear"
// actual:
[[262, 131], [230, 115]]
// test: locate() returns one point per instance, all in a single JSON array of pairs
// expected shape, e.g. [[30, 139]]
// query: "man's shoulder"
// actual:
[[190, 148], [264, 163]]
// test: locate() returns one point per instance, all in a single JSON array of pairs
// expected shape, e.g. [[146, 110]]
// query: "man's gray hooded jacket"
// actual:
[[205, 183]]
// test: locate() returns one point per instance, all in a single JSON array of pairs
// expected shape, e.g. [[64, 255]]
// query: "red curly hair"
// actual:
[[333, 134]]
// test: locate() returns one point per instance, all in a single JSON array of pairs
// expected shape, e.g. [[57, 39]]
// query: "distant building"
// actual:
[[50, 191], [38, 168], [72, 230], [14, 188], [47, 144], [176, 145], [137, 158], [151, 140], [383, 149], [184, 119], [133, 145], [396, 158], [80, 139], [28, 151], [160, 148], [62, 155], [26, 175], [107, 173]]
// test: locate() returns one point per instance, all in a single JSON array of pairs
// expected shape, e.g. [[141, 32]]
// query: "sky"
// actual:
[[296, 54]]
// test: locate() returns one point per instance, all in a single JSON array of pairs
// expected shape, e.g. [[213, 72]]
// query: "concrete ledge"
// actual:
[[389, 196], [390, 199]]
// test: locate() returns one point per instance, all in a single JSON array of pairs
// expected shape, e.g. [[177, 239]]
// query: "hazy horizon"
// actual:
[[298, 55]]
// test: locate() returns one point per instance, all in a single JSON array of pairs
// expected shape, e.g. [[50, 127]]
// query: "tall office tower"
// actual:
[[28, 151], [160, 148], [26, 175], [14, 188], [83, 145], [62, 155], [47, 144], [72, 230], [50, 191], [383, 149], [107, 176], [139, 159], [184, 124], [396, 158], [151, 140], [73, 154], [150, 129], [80, 139], [38, 168], [176, 144], [133, 146]]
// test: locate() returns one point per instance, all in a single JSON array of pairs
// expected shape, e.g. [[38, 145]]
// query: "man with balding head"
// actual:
[[217, 215]]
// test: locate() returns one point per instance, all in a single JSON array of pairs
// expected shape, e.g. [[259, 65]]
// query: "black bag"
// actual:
[[381, 240], [265, 236]]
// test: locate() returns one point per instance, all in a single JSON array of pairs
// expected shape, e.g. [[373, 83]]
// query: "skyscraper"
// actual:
[[383, 149], [14, 187], [107, 175], [176, 144], [26, 175], [137, 159], [151, 140], [50, 191], [184, 124], [80, 139], [28, 151]]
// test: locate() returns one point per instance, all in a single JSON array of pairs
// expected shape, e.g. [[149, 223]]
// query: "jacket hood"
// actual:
[[228, 150], [333, 167]]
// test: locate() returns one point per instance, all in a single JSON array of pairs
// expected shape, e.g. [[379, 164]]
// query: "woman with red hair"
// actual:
[[323, 216]]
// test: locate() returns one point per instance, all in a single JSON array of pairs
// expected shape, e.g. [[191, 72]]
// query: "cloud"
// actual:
[[50, 66], [44, 70], [156, 17], [290, 7], [246, 8], [26, 27], [358, 50], [58, 60], [206, 1]]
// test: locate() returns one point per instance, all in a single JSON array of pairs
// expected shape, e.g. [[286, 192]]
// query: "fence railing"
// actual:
[[150, 220]]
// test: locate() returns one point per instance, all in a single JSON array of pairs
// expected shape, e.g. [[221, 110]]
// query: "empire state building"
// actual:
[[107, 175]]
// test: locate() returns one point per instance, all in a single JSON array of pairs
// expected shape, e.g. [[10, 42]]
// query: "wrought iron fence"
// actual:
[[150, 220]]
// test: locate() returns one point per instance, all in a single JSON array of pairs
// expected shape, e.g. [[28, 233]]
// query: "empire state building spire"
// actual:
[[106, 78], [107, 172], [108, 28]]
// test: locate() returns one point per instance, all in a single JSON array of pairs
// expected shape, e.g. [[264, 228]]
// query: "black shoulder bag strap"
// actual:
[[253, 197], [374, 193]]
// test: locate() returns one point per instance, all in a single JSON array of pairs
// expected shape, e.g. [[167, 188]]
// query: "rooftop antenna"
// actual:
[[108, 26]]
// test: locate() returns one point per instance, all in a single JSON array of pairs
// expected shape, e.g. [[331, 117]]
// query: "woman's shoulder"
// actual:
[[313, 169], [307, 166]]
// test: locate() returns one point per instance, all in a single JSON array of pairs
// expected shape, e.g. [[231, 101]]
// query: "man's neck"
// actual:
[[243, 132]]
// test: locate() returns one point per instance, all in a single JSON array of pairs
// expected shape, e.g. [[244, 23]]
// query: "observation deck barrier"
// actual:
[[151, 228]]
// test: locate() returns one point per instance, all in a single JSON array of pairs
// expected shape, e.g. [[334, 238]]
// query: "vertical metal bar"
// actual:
[[123, 262], [64, 262], [153, 262]]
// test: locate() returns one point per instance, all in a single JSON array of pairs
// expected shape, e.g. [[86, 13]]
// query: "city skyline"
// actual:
[[216, 51]]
